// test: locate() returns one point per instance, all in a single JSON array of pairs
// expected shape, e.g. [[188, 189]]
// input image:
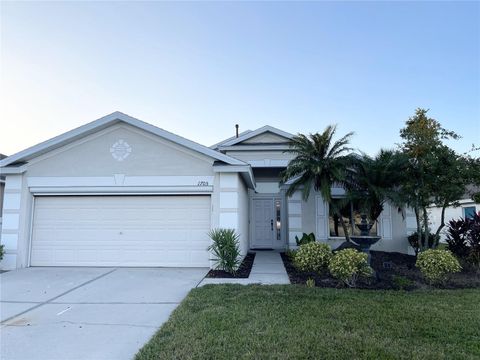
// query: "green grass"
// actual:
[[295, 322]]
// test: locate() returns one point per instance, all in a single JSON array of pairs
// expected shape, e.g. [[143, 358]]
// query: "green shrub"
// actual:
[[225, 249], [306, 239], [2, 251], [310, 283], [349, 265], [290, 254], [313, 256], [401, 282], [413, 241], [437, 265]]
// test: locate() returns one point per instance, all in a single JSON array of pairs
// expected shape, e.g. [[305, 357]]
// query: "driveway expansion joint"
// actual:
[[5, 322]]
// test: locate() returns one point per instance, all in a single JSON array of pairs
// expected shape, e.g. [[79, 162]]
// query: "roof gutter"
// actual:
[[10, 170]]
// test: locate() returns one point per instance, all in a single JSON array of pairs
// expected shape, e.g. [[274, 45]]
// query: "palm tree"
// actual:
[[319, 163], [372, 181]]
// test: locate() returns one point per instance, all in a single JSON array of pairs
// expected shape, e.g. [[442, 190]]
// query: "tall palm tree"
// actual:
[[319, 163], [372, 181]]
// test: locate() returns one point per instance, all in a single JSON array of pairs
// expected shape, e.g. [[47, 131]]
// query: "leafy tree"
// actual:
[[435, 174], [319, 163], [450, 176]]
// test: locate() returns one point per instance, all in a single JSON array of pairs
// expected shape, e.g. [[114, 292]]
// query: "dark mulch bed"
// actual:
[[243, 271], [392, 271]]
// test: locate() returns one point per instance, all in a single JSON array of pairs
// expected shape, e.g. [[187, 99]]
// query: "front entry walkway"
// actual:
[[267, 269]]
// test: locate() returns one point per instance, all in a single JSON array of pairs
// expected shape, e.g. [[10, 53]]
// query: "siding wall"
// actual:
[[451, 213]]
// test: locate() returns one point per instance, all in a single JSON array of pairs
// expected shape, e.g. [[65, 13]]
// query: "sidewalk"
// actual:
[[267, 269]]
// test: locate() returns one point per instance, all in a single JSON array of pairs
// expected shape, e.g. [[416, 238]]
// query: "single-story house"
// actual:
[[121, 192], [466, 208]]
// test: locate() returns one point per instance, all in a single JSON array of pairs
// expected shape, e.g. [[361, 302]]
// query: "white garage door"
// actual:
[[121, 231]]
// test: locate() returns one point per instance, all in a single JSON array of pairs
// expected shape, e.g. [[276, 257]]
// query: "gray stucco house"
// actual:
[[121, 192]]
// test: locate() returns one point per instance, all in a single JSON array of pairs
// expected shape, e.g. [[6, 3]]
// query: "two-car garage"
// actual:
[[118, 192], [162, 230]]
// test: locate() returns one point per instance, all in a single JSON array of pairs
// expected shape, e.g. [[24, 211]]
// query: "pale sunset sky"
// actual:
[[197, 69]]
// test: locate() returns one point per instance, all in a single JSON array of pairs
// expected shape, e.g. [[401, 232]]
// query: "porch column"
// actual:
[[233, 207]]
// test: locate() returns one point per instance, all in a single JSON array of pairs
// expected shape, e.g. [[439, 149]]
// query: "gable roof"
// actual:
[[217, 145], [104, 122], [251, 134]]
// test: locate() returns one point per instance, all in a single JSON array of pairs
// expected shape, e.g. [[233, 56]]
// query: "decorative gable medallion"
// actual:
[[120, 150]]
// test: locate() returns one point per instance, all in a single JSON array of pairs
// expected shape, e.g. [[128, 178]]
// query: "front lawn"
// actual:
[[296, 322]]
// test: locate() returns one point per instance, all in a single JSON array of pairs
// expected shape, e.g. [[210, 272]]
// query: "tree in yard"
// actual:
[[319, 163], [435, 174], [372, 181], [451, 174]]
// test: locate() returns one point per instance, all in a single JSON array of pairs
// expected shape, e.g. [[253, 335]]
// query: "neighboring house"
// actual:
[[467, 208], [121, 192]]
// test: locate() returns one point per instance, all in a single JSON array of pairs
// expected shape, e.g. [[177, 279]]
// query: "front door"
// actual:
[[266, 222]]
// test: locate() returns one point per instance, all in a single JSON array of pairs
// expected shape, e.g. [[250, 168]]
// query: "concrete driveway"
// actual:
[[87, 313]]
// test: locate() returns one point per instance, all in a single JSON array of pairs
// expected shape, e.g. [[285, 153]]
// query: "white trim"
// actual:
[[217, 145], [259, 131], [262, 147], [268, 163], [321, 218], [119, 180], [103, 123], [13, 170], [30, 233], [122, 190]]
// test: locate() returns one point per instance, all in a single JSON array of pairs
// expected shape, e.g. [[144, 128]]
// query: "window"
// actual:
[[278, 219], [469, 212], [351, 216]]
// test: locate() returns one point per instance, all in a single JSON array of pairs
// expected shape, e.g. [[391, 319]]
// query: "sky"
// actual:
[[197, 69]]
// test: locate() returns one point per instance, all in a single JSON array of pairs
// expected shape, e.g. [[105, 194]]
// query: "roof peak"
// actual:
[[250, 134], [105, 122]]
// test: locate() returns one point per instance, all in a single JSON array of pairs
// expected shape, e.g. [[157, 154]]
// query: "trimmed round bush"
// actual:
[[313, 256], [349, 265], [436, 265]]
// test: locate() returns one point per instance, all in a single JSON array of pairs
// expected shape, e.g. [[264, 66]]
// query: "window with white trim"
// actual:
[[351, 215], [469, 212]]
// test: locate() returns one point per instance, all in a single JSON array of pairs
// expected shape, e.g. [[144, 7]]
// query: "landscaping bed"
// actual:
[[392, 271], [296, 322], [243, 271]]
